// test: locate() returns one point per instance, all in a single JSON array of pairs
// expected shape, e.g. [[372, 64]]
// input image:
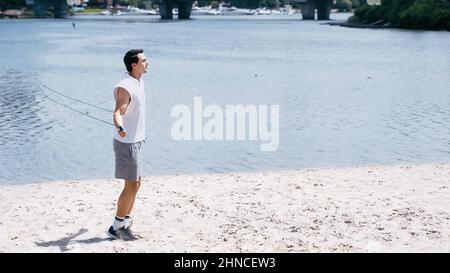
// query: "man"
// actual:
[[129, 119]]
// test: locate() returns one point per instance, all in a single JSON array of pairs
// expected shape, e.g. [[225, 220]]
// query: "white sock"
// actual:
[[118, 223], [127, 221]]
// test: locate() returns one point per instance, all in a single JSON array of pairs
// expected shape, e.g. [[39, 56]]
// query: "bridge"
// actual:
[[40, 7], [166, 6], [308, 8]]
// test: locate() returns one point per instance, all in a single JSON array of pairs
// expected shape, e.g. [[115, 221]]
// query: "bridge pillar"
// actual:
[[308, 11], [40, 8], [324, 10], [308, 8], [166, 6], [165, 10], [60, 10], [184, 9]]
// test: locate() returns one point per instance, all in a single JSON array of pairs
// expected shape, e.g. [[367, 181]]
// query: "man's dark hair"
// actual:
[[131, 58]]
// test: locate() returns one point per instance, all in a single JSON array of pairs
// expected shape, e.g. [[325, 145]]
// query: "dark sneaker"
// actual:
[[116, 234], [129, 236]]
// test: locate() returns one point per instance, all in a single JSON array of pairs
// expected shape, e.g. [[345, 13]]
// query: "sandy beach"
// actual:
[[359, 209]]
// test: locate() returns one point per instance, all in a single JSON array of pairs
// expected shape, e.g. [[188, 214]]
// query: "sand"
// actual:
[[359, 209]]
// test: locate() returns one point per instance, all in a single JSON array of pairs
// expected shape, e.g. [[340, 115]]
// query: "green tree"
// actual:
[[414, 14], [214, 4], [343, 5], [271, 4], [426, 14], [356, 4], [12, 3], [245, 4]]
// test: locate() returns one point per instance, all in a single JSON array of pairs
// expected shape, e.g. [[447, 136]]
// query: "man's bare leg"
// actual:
[[138, 185], [127, 197], [124, 206]]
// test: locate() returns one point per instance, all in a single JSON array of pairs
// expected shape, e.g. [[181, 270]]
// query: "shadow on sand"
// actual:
[[64, 242]]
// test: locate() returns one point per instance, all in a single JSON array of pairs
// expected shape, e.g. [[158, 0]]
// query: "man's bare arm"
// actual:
[[123, 99]]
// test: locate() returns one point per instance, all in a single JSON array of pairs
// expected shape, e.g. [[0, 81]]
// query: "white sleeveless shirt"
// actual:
[[134, 117]]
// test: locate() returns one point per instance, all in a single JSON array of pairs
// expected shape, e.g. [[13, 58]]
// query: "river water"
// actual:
[[347, 97]]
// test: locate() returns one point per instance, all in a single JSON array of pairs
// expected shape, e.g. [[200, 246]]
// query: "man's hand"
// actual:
[[122, 132]]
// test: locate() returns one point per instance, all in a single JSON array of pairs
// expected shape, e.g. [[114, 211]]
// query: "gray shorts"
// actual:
[[128, 160]]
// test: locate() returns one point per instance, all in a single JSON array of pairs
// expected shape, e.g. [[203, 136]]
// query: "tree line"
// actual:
[[409, 14]]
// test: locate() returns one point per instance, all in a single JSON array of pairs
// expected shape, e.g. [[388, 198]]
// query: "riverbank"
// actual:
[[377, 208], [359, 25]]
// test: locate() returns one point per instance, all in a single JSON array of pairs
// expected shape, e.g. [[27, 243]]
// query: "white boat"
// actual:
[[235, 11], [204, 11], [263, 11], [138, 11], [276, 12], [287, 9]]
